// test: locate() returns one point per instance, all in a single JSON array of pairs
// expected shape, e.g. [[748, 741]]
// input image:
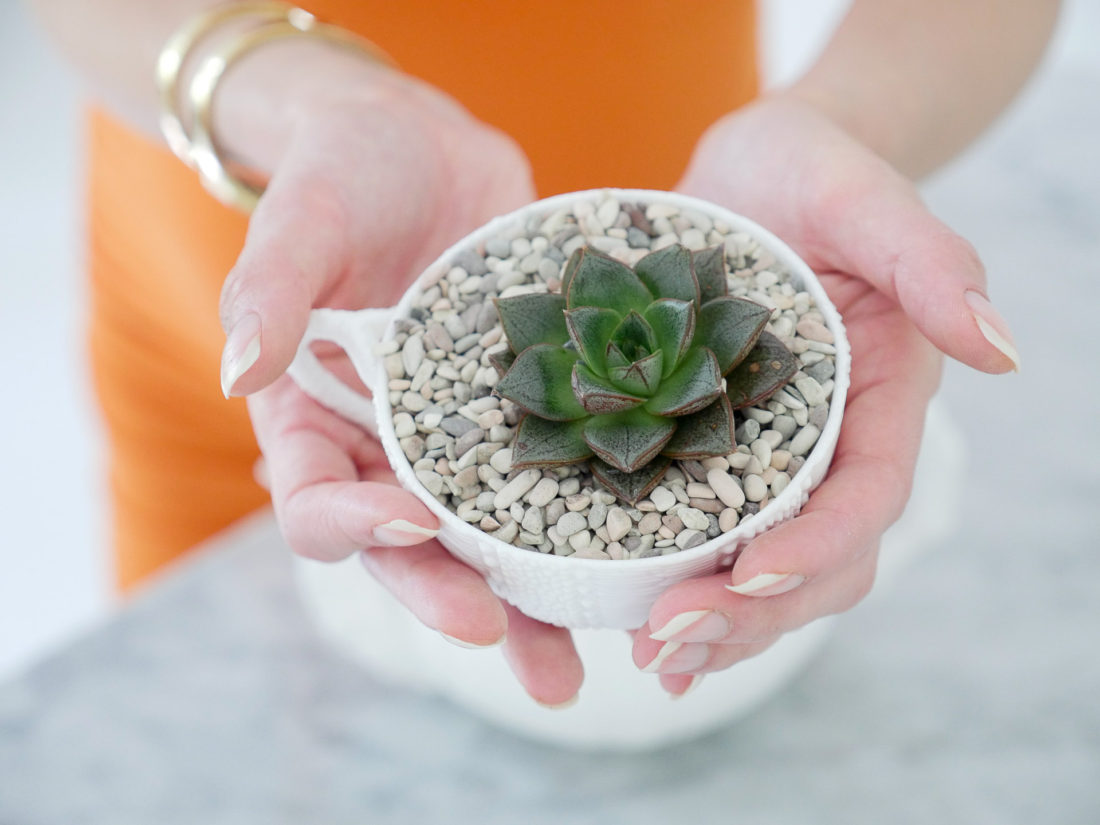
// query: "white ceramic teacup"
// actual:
[[575, 593]]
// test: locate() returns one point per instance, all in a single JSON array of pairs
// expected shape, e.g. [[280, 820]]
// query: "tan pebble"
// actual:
[[728, 519], [666, 532], [489, 524], [780, 459], [577, 502], [650, 523], [715, 463], [814, 331], [707, 505]]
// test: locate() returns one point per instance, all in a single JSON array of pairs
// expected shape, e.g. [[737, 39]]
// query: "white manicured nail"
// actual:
[[667, 649], [568, 703], [242, 350], [470, 645], [993, 326], [767, 584], [705, 626], [402, 533]]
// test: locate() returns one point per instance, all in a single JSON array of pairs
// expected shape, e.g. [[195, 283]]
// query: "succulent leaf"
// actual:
[[540, 382], [694, 385], [667, 273], [673, 324], [730, 327], [570, 269], [628, 440], [642, 377], [634, 337], [543, 443], [601, 281], [599, 396], [767, 367], [710, 272], [502, 361], [706, 433], [631, 487], [537, 318], [590, 328]]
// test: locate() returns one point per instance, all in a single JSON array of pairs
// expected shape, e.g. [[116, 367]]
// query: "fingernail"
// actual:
[[242, 350], [993, 326], [694, 626], [767, 584], [676, 657], [568, 703], [694, 683], [470, 645], [402, 533]]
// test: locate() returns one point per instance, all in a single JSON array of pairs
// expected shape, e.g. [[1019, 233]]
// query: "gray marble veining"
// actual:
[[971, 694]]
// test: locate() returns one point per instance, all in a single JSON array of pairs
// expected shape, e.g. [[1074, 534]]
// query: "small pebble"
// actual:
[[543, 493], [571, 523]]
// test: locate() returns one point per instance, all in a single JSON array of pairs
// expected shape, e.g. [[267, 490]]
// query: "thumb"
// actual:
[[881, 230], [293, 249]]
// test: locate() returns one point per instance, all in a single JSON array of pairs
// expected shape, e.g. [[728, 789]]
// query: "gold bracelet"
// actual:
[[173, 56], [198, 148]]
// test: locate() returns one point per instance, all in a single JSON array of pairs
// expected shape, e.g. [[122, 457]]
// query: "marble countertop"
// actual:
[[971, 694]]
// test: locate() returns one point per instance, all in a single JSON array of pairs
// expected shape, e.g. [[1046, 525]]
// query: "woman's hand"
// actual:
[[908, 288], [371, 187]]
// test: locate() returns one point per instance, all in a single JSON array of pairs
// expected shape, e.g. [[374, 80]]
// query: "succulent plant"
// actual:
[[634, 368]]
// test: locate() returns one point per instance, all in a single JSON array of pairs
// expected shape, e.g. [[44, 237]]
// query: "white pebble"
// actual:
[[728, 490], [804, 440], [571, 523], [618, 523], [662, 498], [515, 489], [693, 519], [501, 460], [755, 488], [543, 492]]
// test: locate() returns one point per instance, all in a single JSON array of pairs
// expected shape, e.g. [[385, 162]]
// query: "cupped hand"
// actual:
[[908, 289], [373, 184]]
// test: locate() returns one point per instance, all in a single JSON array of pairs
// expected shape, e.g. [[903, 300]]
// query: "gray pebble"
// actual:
[[554, 511], [819, 415], [690, 538], [468, 440]]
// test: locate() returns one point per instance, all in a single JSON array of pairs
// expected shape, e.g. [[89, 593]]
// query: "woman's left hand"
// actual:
[[908, 289]]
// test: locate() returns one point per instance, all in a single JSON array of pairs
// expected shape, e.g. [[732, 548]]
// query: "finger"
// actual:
[[685, 659], [704, 610], [440, 591], [680, 684], [323, 508], [293, 248], [871, 473], [877, 227], [544, 659]]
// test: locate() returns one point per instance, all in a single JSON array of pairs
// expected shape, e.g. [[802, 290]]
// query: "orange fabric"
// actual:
[[611, 93]]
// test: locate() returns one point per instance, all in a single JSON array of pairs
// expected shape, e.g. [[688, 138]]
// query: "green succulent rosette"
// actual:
[[631, 369]]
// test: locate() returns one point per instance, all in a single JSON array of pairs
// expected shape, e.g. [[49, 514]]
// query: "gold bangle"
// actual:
[[197, 147], [173, 56]]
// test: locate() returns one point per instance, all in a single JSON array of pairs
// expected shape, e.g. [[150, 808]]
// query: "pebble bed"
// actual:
[[456, 434]]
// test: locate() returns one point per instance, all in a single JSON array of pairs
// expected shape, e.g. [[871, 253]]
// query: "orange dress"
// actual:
[[598, 93]]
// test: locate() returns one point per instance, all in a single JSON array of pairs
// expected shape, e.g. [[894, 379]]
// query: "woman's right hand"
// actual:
[[376, 174]]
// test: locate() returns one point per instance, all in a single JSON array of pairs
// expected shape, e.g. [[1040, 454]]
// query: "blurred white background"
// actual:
[[54, 573]]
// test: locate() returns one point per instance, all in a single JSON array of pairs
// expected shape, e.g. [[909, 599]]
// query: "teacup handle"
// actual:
[[358, 333]]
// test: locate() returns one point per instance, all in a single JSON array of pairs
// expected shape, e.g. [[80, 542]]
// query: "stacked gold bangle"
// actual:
[[191, 138]]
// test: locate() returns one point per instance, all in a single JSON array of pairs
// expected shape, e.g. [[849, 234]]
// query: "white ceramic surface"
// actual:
[[575, 593]]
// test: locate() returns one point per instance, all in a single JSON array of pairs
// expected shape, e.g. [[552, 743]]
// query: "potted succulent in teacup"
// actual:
[[599, 395], [630, 369]]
